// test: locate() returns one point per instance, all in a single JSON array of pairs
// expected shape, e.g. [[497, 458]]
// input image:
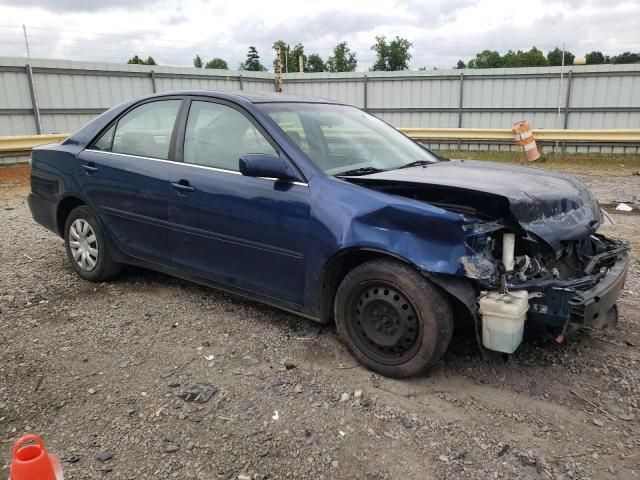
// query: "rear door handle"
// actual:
[[182, 186], [89, 168]]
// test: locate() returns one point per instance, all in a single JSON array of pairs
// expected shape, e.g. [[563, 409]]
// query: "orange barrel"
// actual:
[[524, 139]]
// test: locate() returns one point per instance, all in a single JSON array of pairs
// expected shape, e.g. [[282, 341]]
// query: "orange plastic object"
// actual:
[[524, 139], [31, 461]]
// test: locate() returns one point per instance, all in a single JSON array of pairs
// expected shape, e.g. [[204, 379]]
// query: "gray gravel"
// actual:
[[109, 367]]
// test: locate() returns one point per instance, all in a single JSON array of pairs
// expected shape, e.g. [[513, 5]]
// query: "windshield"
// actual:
[[345, 140]]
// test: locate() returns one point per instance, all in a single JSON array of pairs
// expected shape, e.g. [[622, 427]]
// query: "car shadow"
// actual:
[[464, 351]]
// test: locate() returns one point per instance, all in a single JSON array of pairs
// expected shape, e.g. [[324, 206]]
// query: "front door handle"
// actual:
[[182, 186], [89, 168]]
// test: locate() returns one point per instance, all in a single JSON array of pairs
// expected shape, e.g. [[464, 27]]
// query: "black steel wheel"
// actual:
[[385, 322], [392, 319]]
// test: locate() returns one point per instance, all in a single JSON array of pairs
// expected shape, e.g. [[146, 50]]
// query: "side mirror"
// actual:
[[265, 165]]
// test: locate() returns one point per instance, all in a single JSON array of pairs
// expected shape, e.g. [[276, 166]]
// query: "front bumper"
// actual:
[[562, 309], [590, 308]]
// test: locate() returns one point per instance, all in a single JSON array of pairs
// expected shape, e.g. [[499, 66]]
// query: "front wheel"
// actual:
[[392, 319], [86, 246]]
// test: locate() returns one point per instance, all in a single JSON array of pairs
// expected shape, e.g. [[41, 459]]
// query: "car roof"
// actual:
[[251, 97]]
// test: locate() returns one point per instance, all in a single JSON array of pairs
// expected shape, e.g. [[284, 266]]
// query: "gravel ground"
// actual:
[[103, 373]]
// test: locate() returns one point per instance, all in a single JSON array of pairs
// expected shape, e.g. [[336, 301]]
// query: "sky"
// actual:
[[441, 31]]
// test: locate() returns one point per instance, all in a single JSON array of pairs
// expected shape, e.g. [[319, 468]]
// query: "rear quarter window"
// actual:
[[144, 131], [104, 142]]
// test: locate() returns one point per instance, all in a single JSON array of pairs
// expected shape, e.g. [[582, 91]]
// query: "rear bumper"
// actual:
[[43, 211]]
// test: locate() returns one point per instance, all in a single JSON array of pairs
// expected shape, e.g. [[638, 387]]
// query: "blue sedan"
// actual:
[[326, 211]]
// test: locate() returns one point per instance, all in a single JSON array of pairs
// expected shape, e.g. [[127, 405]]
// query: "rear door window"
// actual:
[[144, 131]]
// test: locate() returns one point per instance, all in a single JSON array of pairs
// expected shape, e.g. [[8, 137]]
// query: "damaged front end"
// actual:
[[532, 250], [567, 288]]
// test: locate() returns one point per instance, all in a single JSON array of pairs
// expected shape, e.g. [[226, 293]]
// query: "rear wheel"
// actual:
[[392, 319], [86, 247]]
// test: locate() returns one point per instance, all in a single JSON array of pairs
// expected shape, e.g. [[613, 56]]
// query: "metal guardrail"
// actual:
[[22, 145], [541, 135]]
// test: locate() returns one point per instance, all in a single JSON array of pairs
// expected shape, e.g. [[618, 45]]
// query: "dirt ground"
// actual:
[[100, 371]]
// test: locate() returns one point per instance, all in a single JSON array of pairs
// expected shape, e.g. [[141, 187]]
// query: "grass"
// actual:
[[593, 160]]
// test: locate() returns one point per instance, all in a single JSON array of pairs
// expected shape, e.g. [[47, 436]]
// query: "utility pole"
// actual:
[[26, 42], [286, 60], [32, 85], [560, 95], [278, 71], [301, 63], [560, 87]]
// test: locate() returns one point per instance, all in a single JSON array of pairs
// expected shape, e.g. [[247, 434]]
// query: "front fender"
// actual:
[[432, 241], [351, 216], [346, 217]]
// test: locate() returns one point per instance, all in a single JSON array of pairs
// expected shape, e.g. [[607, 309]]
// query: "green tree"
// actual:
[[392, 56], [294, 58], [626, 57], [554, 57], [290, 56], [342, 60], [532, 58], [136, 60], [535, 58], [252, 63], [284, 48], [217, 63], [460, 65], [486, 59], [595, 58], [315, 64], [520, 58], [197, 62]]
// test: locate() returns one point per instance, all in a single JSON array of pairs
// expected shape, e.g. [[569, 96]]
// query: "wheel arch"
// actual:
[[63, 210], [460, 291], [337, 267]]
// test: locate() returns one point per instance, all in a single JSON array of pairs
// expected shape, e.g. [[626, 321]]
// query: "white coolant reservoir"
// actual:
[[503, 316], [508, 250]]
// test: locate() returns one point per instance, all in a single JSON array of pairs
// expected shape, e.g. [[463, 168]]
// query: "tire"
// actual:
[[392, 319], [83, 235]]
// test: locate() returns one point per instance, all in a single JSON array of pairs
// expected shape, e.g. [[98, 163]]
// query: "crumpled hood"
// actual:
[[553, 206]]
